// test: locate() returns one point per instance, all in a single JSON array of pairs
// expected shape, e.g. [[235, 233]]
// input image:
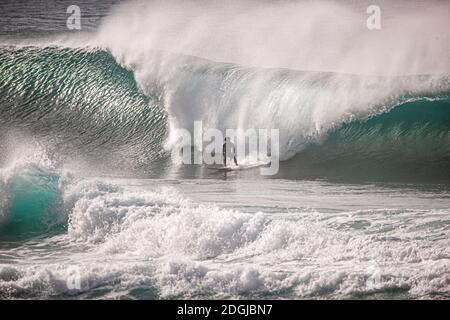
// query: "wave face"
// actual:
[[87, 107], [80, 104], [30, 204], [410, 142]]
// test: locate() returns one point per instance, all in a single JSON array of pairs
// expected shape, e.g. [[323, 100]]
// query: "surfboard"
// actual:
[[236, 168]]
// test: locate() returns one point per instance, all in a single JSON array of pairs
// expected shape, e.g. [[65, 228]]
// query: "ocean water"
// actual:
[[93, 207]]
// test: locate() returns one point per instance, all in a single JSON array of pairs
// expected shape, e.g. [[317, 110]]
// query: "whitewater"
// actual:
[[360, 208]]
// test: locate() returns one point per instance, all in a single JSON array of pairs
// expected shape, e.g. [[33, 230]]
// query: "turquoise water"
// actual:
[[33, 204]]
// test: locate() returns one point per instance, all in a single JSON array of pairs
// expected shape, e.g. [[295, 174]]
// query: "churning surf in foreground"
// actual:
[[92, 206]]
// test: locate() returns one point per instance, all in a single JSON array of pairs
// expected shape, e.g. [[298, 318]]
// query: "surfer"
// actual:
[[228, 151]]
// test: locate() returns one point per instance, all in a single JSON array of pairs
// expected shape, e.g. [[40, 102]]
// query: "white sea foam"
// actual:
[[132, 238]]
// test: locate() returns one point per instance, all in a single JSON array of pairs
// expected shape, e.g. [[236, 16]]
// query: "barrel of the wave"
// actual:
[[30, 207]]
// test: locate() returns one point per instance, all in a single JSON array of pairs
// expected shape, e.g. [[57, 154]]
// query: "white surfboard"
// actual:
[[236, 168]]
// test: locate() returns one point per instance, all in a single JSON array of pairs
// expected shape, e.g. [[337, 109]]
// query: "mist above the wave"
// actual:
[[303, 35]]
